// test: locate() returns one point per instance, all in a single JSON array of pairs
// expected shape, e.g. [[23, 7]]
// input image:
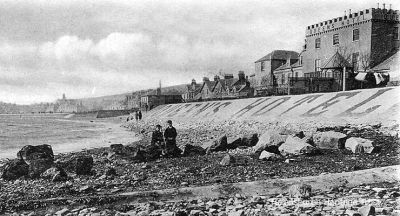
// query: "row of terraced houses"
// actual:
[[357, 50]]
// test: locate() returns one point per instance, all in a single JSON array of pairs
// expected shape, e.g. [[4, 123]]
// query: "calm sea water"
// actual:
[[62, 134]]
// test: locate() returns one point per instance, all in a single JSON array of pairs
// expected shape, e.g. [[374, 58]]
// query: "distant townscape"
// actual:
[[355, 51]]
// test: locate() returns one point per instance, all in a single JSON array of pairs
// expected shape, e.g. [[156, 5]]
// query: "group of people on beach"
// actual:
[[138, 116], [165, 141]]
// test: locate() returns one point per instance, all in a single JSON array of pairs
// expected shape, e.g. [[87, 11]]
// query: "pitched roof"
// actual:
[[336, 61], [285, 66], [279, 55], [392, 63]]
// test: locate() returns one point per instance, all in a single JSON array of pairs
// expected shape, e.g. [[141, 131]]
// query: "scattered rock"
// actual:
[[297, 146], [14, 169], [38, 166], [55, 174], [269, 138], [300, 191], [359, 145], [83, 165], [39, 158], [268, 156], [220, 144], [329, 140], [367, 210], [29, 153], [234, 142], [62, 212], [191, 150], [117, 148], [227, 160], [110, 171], [249, 140]]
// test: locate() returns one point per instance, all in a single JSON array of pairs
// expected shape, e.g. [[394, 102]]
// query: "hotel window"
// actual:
[[317, 43], [262, 66], [301, 60], [396, 33], [317, 64], [283, 79], [335, 39], [356, 34]]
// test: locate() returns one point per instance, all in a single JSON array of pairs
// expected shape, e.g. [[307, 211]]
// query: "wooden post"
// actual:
[[344, 78]]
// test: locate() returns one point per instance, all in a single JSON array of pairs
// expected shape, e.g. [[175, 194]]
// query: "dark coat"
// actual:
[[170, 133], [157, 137]]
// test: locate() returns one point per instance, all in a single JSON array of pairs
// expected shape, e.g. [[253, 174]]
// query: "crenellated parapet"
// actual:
[[352, 19]]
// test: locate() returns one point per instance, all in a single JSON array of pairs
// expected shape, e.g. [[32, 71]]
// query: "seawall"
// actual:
[[111, 113], [366, 105]]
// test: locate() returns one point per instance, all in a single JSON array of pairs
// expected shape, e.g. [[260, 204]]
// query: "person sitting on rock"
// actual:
[[157, 137], [170, 140], [155, 149]]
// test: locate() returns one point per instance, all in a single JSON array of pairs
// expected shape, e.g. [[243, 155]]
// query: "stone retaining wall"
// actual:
[[365, 104]]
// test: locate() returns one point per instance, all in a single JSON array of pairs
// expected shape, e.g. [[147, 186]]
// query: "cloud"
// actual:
[[50, 48]]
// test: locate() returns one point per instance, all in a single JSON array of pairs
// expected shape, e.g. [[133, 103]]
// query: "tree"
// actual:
[[365, 61]]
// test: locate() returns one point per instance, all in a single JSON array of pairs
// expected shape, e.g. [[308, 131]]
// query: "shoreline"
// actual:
[[110, 132]]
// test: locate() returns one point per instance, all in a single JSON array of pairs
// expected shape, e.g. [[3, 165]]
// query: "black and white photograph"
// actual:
[[199, 108]]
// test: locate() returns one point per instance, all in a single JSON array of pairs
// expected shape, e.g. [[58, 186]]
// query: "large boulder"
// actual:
[[329, 140], [220, 144], [137, 153], [191, 150], [117, 148], [359, 145], [55, 174], [29, 153], [152, 152], [171, 152], [39, 158], [14, 169], [234, 142], [249, 139], [38, 166], [83, 164], [296, 146], [269, 138]]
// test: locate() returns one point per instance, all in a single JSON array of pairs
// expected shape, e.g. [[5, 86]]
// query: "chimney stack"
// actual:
[[349, 11], [390, 6], [205, 79], [193, 82], [216, 78], [384, 5], [228, 76], [378, 5], [241, 75]]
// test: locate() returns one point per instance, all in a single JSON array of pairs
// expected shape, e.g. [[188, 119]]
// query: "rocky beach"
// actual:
[[97, 181]]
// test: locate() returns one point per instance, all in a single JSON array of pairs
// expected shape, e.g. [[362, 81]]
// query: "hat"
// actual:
[[169, 122], [159, 126]]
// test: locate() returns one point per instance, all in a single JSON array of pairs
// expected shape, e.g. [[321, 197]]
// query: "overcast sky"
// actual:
[[95, 48]]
